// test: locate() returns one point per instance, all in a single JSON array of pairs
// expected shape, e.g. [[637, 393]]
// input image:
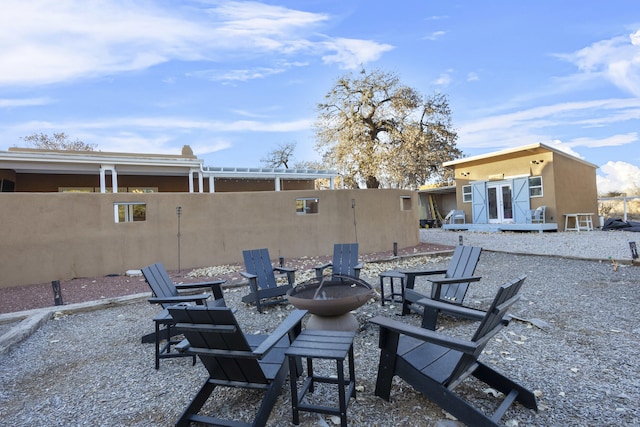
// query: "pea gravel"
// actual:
[[575, 344]]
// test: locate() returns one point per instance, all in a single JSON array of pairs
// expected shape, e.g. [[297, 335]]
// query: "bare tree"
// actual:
[[59, 141], [376, 131], [281, 156]]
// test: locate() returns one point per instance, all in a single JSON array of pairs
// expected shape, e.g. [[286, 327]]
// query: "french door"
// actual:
[[499, 201]]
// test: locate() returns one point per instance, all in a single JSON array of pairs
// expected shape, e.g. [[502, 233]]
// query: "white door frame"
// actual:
[[500, 202]]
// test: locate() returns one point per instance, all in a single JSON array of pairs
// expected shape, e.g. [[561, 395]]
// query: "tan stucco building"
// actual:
[[85, 214], [35, 170], [498, 190]]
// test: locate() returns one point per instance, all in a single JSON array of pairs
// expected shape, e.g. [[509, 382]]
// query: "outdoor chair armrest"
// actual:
[[319, 269], [323, 266], [178, 299], [199, 284], [183, 346], [447, 308], [248, 275], [422, 272], [437, 283], [290, 272], [451, 280], [294, 320], [422, 334]]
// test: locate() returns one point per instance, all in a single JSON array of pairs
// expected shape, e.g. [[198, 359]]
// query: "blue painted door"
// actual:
[[479, 202], [521, 200]]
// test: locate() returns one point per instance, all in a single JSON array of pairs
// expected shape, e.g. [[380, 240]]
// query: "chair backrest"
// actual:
[[159, 281], [215, 336], [258, 262], [345, 258], [462, 264], [491, 324], [455, 214], [538, 214]]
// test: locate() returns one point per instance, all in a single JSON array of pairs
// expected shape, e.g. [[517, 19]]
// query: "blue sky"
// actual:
[[234, 79]]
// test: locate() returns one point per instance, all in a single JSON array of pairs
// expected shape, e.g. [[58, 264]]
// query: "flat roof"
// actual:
[[533, 148], [29, 160]]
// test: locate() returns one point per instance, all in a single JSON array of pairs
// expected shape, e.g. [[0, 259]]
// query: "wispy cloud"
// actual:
[[437, 17], [237, 75], [23, 102], [444, 78], [610, 141], [541, 124], [435, 35], [44, 42], [353, 53], [616, 60], [168, 123]]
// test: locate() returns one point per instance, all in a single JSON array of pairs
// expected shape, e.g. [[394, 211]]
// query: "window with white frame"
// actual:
[[535, 186], [130, 212], [466, 193], [307, 206]]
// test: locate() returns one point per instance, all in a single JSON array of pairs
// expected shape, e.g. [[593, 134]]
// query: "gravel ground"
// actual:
[[90, 368]]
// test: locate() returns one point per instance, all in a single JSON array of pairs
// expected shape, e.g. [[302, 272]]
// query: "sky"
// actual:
[[237, 79]]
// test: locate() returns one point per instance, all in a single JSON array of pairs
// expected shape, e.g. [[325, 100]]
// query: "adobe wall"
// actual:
[[59, 236], [576, 189]]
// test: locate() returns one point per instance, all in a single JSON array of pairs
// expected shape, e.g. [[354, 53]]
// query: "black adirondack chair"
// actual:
[[262, 281], [345, 261], [435, 364], [450, 288], [166, 293], [234, 359]]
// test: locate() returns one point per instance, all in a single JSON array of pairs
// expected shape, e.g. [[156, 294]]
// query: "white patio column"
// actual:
[[191, 181], [200, 182], [212, 188], [114, 179], [103, 178], [103, 186], [332, 183], [277, 182]]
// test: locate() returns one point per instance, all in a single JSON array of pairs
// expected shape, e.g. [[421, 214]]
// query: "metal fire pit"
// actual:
[[330, 299]]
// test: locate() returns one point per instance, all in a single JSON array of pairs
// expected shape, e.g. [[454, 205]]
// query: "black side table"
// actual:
[[320, 344], [164, 351], [393, 296]]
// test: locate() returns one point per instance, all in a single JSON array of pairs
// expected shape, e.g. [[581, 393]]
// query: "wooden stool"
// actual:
[[320, 344]]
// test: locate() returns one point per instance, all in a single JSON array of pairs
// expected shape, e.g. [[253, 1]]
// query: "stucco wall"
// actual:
[[58, 236], [576, 189]]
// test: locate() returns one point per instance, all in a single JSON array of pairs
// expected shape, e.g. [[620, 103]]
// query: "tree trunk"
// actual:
[[372, 182]]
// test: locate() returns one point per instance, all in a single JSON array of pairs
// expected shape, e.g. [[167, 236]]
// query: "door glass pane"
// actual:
[[506, 202], [493, 202]]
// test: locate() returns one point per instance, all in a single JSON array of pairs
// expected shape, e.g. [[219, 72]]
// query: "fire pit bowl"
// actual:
[[330, 299]]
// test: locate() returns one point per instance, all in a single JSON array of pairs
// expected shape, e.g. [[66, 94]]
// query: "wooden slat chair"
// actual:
[[262, 281], [166, 293], [345, 261], [234, 359], [537, 215], [435, 364], [454, 216], [451, 287]]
